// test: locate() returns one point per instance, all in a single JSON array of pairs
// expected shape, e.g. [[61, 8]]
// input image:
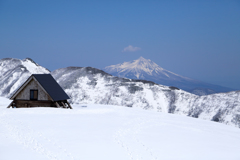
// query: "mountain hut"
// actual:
[[40, 90]]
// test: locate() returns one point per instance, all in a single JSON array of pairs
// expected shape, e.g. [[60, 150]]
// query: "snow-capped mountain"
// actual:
[[14, 72], [146, 69], [92, 86], [141, 69]]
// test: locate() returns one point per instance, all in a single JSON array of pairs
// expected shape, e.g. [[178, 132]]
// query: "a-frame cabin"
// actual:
[[40, 90]]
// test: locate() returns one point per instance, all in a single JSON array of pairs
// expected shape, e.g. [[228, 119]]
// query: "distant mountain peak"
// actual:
[[142, 59], [145, 69], [139, 69], [145, 64]]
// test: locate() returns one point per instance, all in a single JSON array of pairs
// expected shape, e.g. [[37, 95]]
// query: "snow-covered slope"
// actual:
[[90, 85], [14, 72], [105, 132], [146, 69], [141, 68], [93, 86]]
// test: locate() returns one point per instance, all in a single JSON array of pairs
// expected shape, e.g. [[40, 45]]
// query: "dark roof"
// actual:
[[51, 86]]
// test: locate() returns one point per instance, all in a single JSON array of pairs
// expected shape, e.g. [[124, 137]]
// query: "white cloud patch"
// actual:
[[130, 48]]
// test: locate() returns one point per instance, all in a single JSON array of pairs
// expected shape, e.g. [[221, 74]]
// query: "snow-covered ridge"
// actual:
[[14, 72], [138, 66], [90, 85], [93, 86], [146, 69], [33, 67]]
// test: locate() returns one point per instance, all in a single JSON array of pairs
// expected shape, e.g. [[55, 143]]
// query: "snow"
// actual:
[[4, 102], [14, 72], [101, 88], [145, 69], [33, 67], [111, 132], [140, 67]]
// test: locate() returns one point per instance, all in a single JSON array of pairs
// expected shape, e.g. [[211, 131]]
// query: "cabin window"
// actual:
[[33, 94]]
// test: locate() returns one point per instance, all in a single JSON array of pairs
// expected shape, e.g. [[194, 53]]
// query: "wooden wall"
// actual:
[[22, 103], [25, 92]]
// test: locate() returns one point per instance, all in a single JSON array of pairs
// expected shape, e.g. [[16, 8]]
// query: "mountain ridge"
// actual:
[[14, 72], [86, 86], [90, 85], [139, 65], [148, 70]]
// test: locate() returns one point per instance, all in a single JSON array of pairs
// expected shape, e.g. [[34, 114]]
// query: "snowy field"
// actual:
[[101, 132]]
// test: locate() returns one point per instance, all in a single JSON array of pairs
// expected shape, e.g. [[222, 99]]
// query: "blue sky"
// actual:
[[197, 39]]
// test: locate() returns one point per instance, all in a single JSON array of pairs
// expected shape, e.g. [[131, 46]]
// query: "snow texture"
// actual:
[[146, 69], [14, 72], [105, 132], [92, 86]]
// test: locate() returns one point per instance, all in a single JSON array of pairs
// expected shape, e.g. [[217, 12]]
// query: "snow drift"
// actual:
[[106, 132]]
